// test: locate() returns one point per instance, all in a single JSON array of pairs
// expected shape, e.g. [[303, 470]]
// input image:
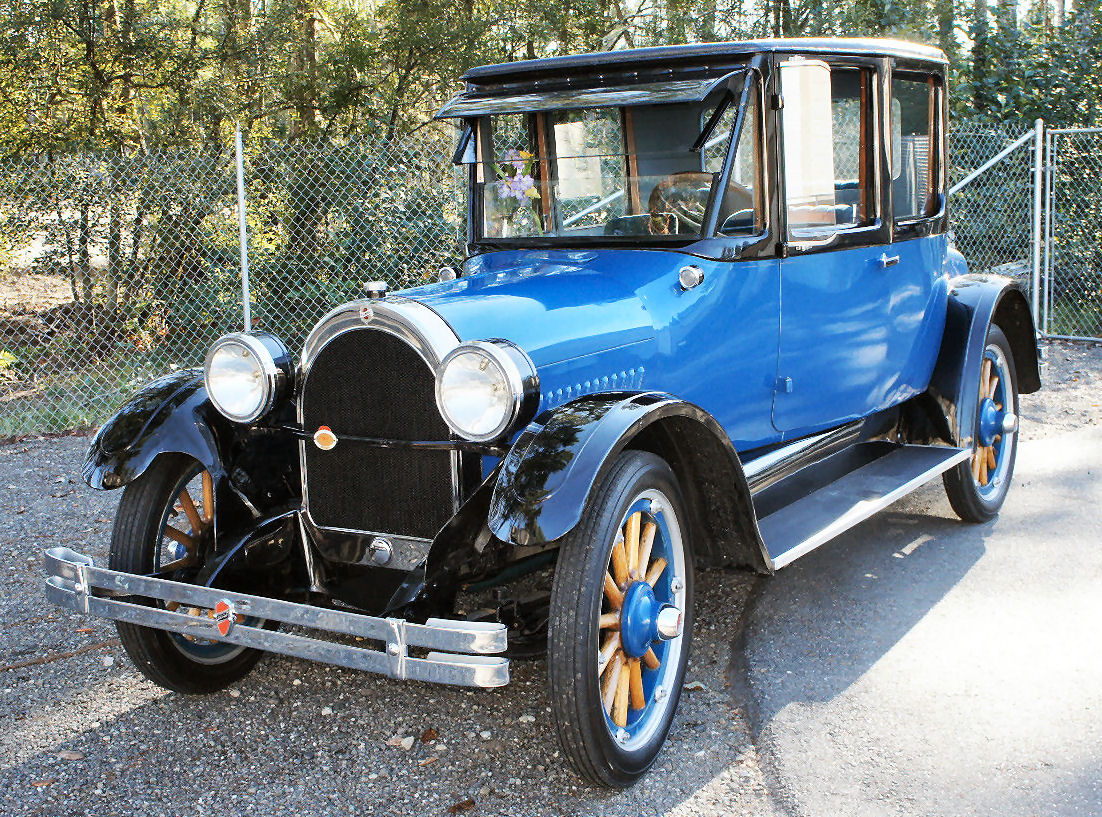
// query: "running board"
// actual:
[[802, 526]]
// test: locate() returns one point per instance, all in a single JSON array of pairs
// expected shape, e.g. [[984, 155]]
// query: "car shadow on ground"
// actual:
[[822, 623]]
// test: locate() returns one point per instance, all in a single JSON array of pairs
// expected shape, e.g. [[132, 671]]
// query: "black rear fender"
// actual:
[[975, 303]]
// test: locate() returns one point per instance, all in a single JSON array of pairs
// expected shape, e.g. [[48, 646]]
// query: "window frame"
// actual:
[[877, 229], [935, 222], [753, 89]]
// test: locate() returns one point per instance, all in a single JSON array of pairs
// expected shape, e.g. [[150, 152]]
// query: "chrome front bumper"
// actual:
[[461, 652]]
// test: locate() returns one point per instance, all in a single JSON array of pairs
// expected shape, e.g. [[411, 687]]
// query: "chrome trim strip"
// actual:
[[768, 469], [413, 322], [765, 461], [467, 657]]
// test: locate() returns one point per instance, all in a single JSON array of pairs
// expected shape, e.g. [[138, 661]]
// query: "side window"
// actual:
[[827, 149], [715, 149], [914, 147], [742, 209]]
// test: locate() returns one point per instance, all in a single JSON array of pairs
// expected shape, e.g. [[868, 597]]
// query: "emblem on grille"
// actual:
[[366, 314], [224, 616], [324, 438]]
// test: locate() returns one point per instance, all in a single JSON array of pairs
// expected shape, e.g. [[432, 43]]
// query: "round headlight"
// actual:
[[485, 389], [244, 373]]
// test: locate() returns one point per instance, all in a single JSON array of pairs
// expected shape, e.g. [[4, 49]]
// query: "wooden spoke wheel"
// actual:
[[642, 612], [978, 487], [620, 620], [163, 527], [186, 524]]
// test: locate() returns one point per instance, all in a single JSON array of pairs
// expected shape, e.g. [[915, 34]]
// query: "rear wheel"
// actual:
[[978, 486], [162, 526], [621, 616]]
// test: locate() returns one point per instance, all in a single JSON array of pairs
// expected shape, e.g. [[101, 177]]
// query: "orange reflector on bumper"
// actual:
[[324, 438]]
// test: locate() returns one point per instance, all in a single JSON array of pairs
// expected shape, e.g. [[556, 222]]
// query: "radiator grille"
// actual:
[[372, 384]]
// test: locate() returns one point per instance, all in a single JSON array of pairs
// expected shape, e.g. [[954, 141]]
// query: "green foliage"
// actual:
[[143, 75]]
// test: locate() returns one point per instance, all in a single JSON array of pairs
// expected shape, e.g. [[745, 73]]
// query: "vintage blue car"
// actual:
[[710, 315]]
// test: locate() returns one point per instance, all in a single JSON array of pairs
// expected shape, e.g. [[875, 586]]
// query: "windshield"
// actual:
[[617, 172]]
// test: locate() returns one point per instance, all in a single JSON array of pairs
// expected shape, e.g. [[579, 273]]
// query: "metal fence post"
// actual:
[[1038, 170], [242, 229], [1050, 181]]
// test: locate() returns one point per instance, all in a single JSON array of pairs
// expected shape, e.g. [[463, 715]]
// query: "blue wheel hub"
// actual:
[[639, 619], [991, 421]]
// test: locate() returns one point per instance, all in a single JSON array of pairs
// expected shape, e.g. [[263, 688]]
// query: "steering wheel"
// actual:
[[681, 199]]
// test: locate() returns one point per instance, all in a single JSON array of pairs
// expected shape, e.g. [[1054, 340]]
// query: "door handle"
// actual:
[[888, 260]]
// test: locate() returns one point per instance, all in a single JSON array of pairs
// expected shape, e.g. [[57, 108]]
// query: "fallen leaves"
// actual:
[[462, 806], [38, 784], [429, 735]]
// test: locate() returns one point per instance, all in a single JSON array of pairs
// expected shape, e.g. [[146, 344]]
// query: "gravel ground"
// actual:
[[81, 732]]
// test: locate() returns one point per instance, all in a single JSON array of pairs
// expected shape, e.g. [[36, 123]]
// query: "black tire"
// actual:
[[584, 732], [157, 653], [971, 500]]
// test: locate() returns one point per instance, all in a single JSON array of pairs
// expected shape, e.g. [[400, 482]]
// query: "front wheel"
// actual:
[[620, 622], [978, 487], [163, 526]]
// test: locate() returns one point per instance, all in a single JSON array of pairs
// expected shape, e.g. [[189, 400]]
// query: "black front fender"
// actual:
[[975, 302], [170, 415], [549, 473]]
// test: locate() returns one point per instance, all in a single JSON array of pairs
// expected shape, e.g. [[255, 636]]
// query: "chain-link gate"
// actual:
[[993, 207], [1072, 296]]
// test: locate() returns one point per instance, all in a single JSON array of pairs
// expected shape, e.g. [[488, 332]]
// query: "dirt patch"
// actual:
[[1071, 390], [25, 293]]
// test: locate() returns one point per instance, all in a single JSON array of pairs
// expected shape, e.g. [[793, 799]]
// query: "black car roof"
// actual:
[[672, 56]]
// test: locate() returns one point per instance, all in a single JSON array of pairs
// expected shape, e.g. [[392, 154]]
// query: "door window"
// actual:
[[827, 149], [914, 148]]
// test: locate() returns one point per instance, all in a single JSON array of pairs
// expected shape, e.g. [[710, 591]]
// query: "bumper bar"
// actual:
[[461, 652]]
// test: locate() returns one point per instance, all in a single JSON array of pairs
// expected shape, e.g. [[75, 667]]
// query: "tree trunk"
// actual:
[[305, 90], [84, 253], [980, 33]]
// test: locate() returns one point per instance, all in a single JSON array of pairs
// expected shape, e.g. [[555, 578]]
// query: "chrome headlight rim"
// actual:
[[274, 361], [519, 374]]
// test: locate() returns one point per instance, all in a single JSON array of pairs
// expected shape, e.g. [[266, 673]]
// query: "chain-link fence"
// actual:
[[116, 269], [991, 217], [1072, 298]]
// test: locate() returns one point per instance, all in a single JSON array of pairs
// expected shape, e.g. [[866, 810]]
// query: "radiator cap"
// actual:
[[375, 289]]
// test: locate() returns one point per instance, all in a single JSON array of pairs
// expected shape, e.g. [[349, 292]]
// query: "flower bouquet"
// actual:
[[517, 192]]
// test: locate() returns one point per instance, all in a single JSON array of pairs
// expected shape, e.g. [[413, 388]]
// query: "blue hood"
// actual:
[[554, 304]]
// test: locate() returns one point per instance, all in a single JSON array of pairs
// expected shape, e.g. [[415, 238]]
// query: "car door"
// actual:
[[841, 348], [920, 281]]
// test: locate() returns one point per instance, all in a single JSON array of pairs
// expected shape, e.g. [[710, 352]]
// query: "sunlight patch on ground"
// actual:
[[52, 722]]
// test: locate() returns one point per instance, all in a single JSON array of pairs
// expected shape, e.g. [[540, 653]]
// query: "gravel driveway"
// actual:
[[81, 732]]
